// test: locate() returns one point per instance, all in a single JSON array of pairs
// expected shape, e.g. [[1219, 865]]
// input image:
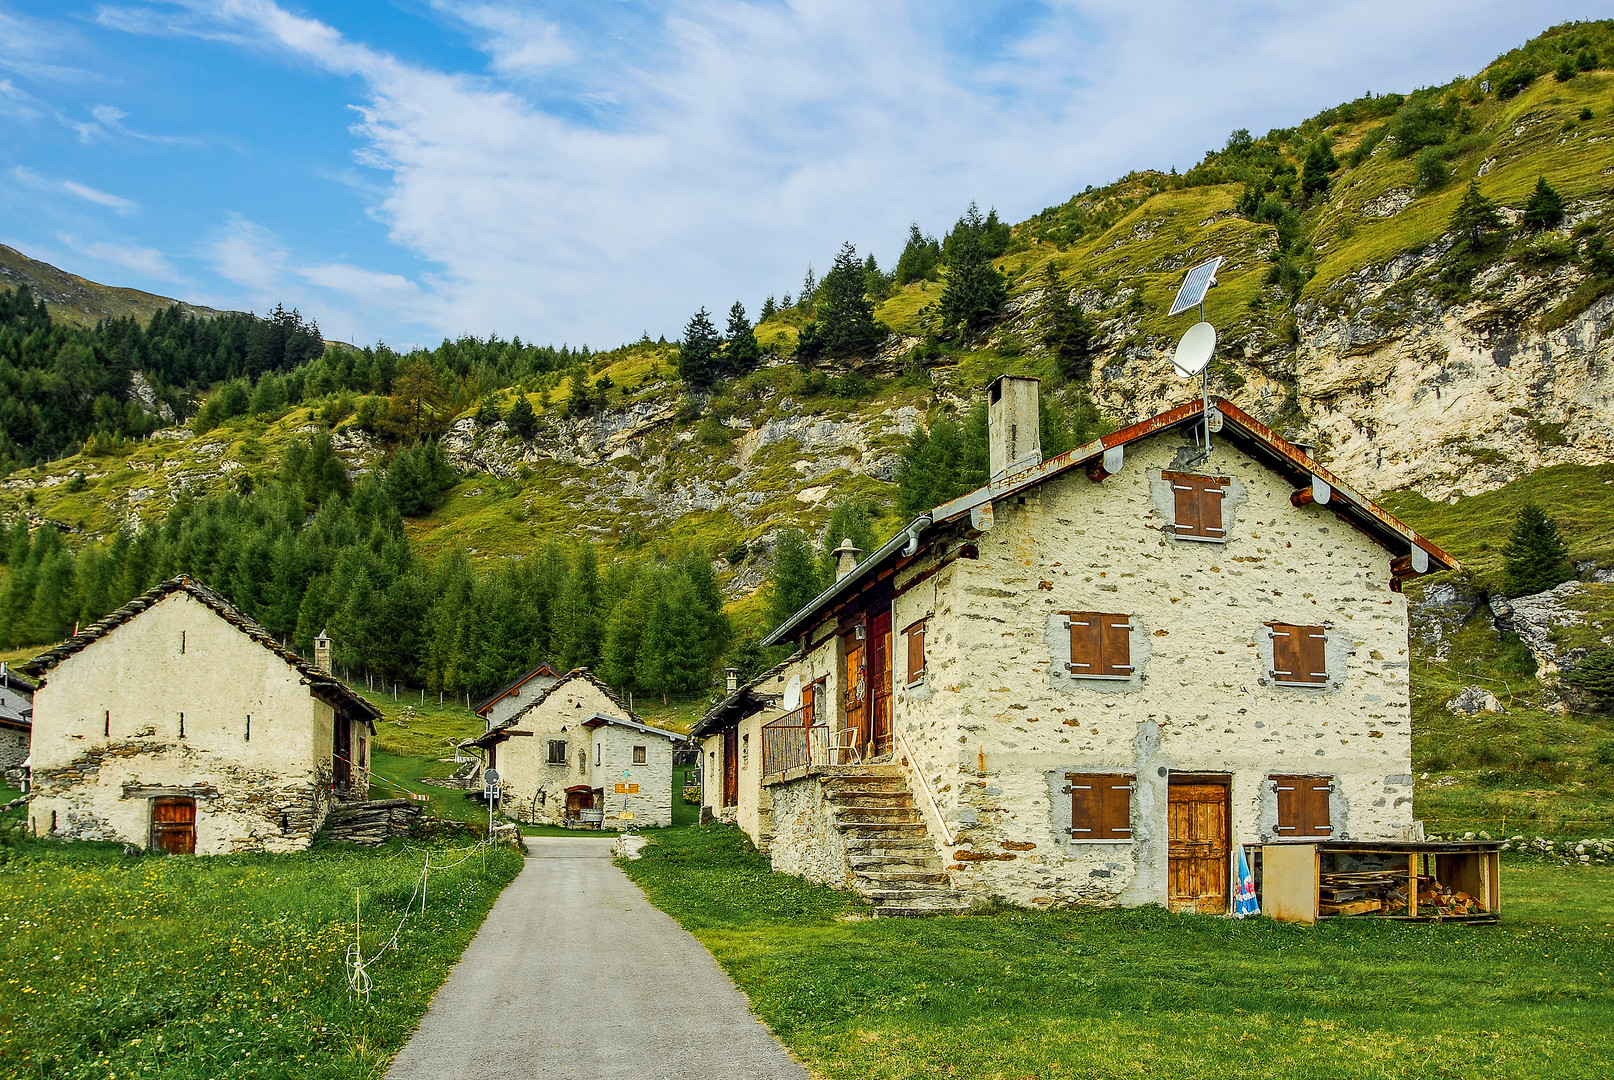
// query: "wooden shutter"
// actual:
[[557, 751], [1303, 805], [809, 704], [1116, 644], [1100, 644], [1085, 637], [1100, 806], [916, 651], [1198, 505], [1299, 654]]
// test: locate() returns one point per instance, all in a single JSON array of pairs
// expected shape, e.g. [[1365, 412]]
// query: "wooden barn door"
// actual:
[[731, 767], [342, 753], [1198, 854], [879, 679], [857, 695], [173, 825]]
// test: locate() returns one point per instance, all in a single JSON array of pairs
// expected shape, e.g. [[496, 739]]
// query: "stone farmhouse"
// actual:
[[577, 756], [513, 698], [178, 724], [16, 724], [1086, 681]]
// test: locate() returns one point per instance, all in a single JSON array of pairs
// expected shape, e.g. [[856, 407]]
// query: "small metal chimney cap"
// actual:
[[846, 558]]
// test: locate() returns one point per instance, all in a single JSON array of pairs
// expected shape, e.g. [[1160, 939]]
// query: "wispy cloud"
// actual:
[[107, 123], [34, 180], [142, 260], [615, 166]]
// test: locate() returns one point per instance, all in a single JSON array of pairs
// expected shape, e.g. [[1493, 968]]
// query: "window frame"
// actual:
[[564, 756], [641, 755], [1109, 672], [1103, 787], [1310, 680], [1202, 485], [916, 633]]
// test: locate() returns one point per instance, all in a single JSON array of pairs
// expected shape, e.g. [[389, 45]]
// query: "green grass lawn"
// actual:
[[1127, 993], [228, 966]]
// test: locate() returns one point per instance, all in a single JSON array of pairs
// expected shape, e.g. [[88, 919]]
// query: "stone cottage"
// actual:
[[518, 695], [1088, 680], [577, 756], [16, 724], [177, 723]]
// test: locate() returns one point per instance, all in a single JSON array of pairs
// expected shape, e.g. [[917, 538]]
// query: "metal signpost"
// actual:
[[490, 791]]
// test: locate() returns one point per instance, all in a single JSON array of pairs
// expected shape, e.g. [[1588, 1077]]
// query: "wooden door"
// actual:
[[1198, 857], [342, 752], [173, 825], [731, 767], [880, 682], [857, 695], [577, 802]]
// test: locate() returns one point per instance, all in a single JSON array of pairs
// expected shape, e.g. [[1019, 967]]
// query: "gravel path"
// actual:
[[575, 974]]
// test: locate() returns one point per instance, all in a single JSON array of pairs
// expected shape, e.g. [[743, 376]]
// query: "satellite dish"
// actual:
[[793, 694], [1194, 350]]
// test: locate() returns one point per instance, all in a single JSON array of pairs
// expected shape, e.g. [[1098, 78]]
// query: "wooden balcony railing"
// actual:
[[790, 742]]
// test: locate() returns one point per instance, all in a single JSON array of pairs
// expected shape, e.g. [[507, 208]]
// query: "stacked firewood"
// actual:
[[1384, 892]]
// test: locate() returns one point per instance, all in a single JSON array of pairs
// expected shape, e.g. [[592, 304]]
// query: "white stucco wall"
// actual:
[[752, 812], [518, 699], [651, 805], [523, 761], [137, 682]]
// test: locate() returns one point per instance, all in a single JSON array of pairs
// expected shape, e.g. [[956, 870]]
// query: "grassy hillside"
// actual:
[[79, 301]]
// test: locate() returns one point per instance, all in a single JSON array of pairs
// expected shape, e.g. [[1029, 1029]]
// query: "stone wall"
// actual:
[[651, 805], [523, 762], [13, 747], [107, 736], [805, 840]]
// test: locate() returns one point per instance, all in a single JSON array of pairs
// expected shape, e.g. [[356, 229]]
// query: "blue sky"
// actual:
[[589, 170]]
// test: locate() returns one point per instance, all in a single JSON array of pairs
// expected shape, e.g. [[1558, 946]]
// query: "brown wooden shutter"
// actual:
[[809, 704], [1303, 806], [916, 651], [1100, 806], [1086, 635], [557, 751], [1299, 654], [1116, 645], [1198, 504]]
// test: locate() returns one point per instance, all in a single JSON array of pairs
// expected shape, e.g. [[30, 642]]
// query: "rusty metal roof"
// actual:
[[1253, 436], [544, 666], [327, 688]]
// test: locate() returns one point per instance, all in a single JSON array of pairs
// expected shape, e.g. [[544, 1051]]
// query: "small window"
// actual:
[[582, 761], [557, 751], [1100, 645], [1303, 805], [745, 751], [1299, 654], [916, 652], [1199, 505], [638, 755], [596, 753], [1100, 806]]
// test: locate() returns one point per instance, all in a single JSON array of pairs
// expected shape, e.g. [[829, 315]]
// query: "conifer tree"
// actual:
[[794, 578], [1475, 217], [1065, 330], [741, 353], [1319, 163], [851, 519], [1545, 208], [769, 309], [697, 353], [1536, 556], [579, 624], [975, 291], [1593, 676], [845, 327], [521, 420], [921, 258]]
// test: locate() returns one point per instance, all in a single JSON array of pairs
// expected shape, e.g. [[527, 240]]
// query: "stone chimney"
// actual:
[[1014, 425], [733, 674], [322, 652], [846, 558]]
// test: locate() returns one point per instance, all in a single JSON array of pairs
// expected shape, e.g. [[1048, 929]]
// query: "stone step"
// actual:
[[910, 861], [897, 911], [902, 877], [857, 845], [916, 896], [874, 830], [878, 814], [871, 798], [874, 783]]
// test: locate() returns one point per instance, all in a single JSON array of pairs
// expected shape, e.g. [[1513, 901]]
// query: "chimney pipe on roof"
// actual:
[[846, 558], [1014, 425], [322, 652], [733, 674]]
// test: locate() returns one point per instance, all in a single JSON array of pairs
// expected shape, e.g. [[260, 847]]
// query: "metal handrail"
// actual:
[[909, 759]]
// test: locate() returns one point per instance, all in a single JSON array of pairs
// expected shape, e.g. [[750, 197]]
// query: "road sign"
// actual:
[[627, 789], [420, 798], [626, 815]]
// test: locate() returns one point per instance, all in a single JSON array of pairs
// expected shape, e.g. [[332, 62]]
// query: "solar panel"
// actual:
[[1195, 285]]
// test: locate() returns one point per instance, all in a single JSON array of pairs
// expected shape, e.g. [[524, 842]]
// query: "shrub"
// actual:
[[1566, 70], [1594, 678], [1514, 80], [1430, 169]]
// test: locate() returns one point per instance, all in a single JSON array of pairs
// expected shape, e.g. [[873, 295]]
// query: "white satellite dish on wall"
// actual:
[[1194, 350], [793, 694]]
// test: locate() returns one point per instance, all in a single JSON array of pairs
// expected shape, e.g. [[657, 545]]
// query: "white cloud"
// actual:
[[108, 124], [141, 260], [609, 178], [101, 198]]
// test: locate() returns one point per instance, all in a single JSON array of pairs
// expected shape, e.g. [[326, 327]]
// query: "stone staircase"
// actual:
[[894, 861]]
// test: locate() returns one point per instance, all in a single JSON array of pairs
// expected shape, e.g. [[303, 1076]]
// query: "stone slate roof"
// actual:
[[496, 733], [740, 704], [543, 667], [599, 719], [1252, 436], [327, 688]]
